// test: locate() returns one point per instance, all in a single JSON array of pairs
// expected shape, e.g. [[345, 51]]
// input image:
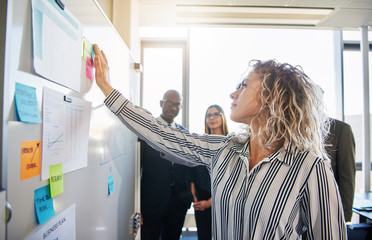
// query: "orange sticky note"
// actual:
[[30, 159]]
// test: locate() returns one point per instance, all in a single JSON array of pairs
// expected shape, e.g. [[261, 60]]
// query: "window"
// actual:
[[164, 69], [353, 96], [219, 57]]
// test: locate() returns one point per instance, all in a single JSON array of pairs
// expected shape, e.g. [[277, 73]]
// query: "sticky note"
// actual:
[[43, 204], [93, 54], [30, 159], [26, 104], [56, 179], [89, 68], [111, 184], [87, 49]]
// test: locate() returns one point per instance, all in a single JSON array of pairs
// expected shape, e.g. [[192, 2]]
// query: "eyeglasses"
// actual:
[[238, 86], [171, 104], [216, 114], [241, 84]]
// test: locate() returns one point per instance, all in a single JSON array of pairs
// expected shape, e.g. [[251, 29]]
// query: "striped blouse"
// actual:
[[283, 197]]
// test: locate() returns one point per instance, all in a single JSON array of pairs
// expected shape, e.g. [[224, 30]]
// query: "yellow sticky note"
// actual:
[[56, 179], [30, 159], [87, 51]]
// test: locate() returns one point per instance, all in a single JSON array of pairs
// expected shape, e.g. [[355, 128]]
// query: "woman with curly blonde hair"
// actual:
[[290, 109], [272, 182]]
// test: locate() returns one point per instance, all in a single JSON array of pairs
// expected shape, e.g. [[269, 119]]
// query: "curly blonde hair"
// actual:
[[292, 106]]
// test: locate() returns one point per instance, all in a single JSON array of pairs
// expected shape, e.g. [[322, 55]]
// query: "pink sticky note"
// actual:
[[89, 68]]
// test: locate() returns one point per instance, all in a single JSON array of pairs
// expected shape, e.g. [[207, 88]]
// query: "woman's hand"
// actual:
[[102, 71], [202, 205]]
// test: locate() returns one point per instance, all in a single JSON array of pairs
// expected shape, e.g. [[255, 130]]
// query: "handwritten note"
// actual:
[[56, 179], [43, 204], [26, 104], [30, 159], [111, 184]]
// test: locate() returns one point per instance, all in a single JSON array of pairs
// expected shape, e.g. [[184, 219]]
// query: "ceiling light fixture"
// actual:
[[246, 15]]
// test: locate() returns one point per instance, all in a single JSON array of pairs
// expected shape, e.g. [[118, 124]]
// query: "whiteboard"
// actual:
[[111, 147]]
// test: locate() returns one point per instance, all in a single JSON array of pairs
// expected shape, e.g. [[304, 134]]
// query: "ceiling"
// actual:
[[334, 14]]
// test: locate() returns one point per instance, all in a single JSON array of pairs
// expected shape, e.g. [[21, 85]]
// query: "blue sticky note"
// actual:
[[111, 184], [43, 205], [93, 54], [26, 104]]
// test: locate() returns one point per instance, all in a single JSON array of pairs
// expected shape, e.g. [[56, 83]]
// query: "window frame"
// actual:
[[356, 46], [183, 44]]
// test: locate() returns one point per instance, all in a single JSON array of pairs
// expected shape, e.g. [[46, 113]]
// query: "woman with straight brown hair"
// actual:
[[215, 123]]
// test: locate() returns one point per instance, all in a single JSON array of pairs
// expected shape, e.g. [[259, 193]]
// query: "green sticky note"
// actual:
[[87, 49], [56, 179]]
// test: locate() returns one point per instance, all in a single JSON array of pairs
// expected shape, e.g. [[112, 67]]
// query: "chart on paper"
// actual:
[[65, 131]]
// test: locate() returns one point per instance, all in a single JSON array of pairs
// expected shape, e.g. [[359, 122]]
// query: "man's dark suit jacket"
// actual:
[[341, 150], [157, 177]]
